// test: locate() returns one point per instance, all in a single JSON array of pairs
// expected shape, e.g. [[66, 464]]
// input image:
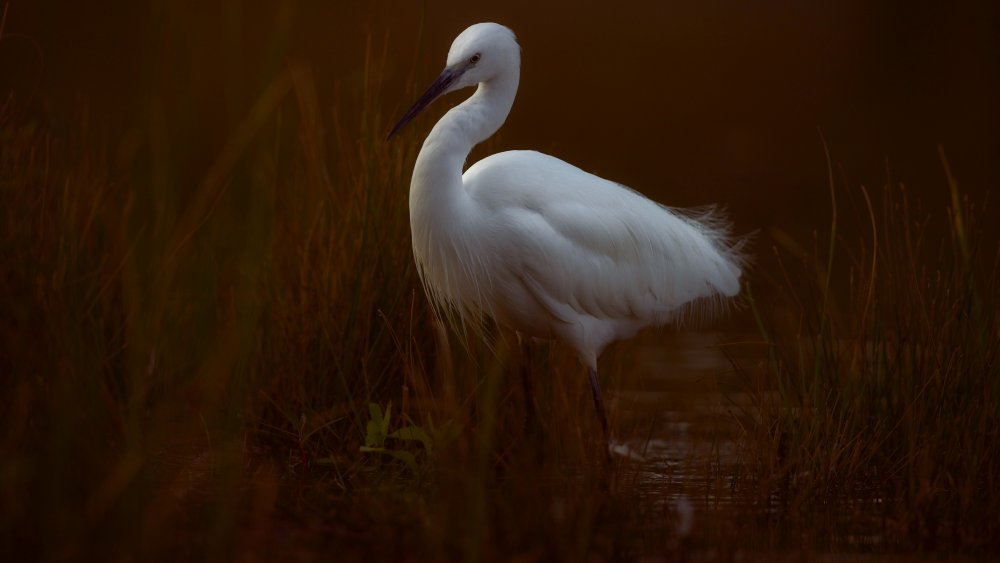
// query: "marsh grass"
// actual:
[[879, 393], [190, 358], [190, 352]]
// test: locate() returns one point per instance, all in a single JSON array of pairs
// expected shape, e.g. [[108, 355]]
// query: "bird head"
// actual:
[[479, 54]]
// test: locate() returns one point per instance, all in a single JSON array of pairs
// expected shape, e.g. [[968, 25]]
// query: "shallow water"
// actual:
[[678, 409]]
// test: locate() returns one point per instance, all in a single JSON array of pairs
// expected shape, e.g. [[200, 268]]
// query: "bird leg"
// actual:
[[595, 387]]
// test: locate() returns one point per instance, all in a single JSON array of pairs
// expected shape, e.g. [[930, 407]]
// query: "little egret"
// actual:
[[539, 245]]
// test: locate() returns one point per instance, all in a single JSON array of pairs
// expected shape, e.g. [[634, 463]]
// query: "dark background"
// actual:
[[691, 102]]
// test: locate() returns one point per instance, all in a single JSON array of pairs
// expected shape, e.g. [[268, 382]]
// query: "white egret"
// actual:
[[539, 245]]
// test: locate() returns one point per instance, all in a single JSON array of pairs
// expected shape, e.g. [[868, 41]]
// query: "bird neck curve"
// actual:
[[441, 209], [441, 160], [484, 112]]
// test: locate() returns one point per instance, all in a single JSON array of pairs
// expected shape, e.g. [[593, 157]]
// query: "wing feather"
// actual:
[[583, 245]]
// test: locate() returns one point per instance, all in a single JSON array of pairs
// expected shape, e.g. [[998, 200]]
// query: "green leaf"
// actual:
[[376, 413], [374, 436], [378, 427]]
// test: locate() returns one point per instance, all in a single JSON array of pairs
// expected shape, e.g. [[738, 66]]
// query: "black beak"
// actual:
[[444, 81]]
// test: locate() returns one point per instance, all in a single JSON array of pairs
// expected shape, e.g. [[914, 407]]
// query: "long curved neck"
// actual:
[[437, 174]]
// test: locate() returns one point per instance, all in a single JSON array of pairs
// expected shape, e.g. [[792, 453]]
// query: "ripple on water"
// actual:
[[677, 405]]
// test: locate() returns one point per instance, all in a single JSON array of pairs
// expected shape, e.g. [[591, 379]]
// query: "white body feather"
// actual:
[[540, 245]]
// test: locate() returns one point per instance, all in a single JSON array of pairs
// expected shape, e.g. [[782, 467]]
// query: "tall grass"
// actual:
[[160, 334], [881, 394], [188, 366], [190, 351]]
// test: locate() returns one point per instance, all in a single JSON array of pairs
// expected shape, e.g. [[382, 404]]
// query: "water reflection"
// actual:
[[678, 405]]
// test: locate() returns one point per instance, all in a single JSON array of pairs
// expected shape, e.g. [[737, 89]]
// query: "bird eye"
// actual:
[[475, 58]]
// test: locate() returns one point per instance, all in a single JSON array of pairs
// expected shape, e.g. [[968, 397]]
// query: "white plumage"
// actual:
[[539, 245]]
